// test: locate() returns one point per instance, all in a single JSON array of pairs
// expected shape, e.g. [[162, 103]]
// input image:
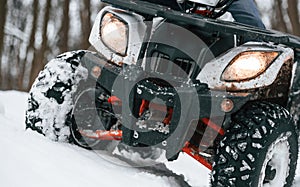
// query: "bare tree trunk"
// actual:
[[64, 30], [277, 20], [294, 16], [39, 57], [31, 48], [17, 63], [85, 15], [3, 11]]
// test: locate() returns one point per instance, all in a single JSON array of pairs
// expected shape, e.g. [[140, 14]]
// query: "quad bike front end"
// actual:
[[165, 79], [157, 112]]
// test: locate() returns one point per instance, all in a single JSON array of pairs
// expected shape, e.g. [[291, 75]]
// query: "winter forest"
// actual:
[[34, 31]]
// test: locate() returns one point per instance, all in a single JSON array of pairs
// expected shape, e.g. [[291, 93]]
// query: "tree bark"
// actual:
[[31, 48], [3, 11], [277, 20], [64, 29], [85, 15], [39, 55], [294, 16]]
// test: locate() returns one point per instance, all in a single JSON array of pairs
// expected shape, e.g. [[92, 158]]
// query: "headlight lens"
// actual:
[[114, 33], [248, 65]]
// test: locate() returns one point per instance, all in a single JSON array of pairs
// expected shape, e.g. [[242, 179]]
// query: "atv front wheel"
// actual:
[[50, 98], [260, 149]]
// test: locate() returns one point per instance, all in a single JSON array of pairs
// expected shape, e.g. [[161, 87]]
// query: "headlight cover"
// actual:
[[248, 65], [114, 33]]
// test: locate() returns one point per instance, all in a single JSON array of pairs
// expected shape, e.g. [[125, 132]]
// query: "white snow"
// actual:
[[2, 109], [31, 160]]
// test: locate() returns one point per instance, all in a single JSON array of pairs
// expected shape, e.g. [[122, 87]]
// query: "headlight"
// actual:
[[114, 33], [248, 65]]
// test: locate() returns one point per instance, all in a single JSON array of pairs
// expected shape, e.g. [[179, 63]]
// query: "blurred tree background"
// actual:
[[34, 31]]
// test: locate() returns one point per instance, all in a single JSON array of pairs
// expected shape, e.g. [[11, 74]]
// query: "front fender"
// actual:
[[212, 71], [136, 33]]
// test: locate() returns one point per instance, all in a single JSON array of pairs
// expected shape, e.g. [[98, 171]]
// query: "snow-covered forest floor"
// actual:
[[30, 160]]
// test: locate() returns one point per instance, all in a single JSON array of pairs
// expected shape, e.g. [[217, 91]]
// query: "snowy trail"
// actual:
[[30, 160]]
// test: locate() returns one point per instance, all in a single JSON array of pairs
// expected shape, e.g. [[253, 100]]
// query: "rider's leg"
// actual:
[[246, 12]]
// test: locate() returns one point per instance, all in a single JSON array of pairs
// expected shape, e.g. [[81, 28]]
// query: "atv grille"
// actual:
[[178, 67]]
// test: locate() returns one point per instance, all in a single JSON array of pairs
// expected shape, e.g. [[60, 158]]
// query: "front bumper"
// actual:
[[189, 102]]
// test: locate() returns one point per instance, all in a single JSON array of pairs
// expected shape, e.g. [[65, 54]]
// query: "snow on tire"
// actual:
[[260, 149], [50, 98]]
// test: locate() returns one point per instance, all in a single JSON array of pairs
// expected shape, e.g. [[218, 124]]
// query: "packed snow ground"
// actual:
[[30, 160]]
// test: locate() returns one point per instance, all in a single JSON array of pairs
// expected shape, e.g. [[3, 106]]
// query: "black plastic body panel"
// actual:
[[116, 80], [210, 25]]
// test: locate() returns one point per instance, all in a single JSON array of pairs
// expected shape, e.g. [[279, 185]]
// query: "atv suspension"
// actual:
[[199, 151], [102, 134], [200, 146], [194, 152]]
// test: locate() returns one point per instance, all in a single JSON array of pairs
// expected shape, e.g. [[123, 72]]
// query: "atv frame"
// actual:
[[214, 121], [207, 97]]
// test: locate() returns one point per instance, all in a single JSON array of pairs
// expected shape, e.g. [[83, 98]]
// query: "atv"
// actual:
[[174, 77]]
